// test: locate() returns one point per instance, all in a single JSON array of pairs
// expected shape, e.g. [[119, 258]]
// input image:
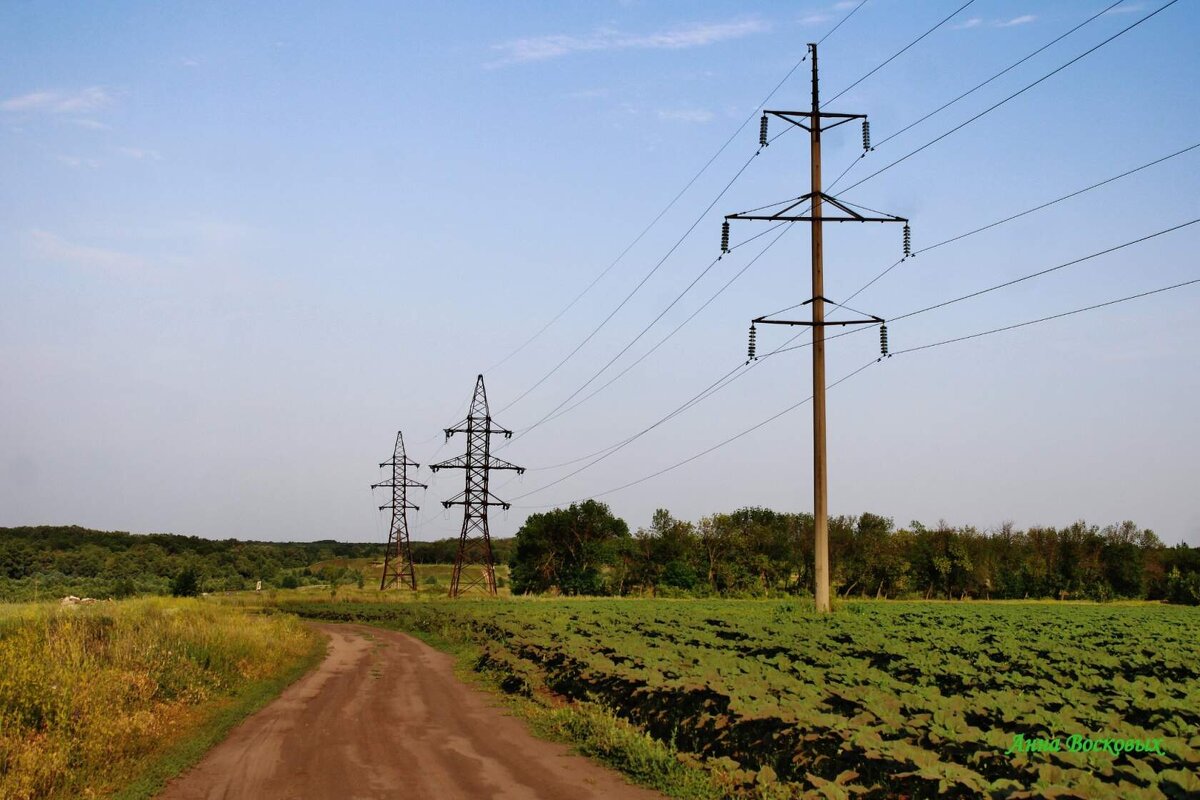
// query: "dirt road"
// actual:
[[385, 716]]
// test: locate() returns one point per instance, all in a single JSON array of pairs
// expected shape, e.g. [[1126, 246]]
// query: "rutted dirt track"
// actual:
[[385, 716]]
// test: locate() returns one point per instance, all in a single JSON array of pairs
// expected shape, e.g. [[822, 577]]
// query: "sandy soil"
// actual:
[[385, 716]]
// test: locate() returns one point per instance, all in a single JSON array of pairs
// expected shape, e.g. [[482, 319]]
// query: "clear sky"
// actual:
[[242, 244]]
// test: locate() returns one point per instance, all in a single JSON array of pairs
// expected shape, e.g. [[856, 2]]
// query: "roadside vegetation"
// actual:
[[113, 698], [767, 699]]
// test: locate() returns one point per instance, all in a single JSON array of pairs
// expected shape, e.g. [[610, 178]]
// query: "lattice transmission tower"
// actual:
[[475, 543], [398, 569]]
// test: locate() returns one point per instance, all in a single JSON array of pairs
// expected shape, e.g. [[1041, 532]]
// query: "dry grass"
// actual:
[[91, 695]]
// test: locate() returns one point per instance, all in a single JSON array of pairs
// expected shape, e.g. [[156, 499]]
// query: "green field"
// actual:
[[877, 700]]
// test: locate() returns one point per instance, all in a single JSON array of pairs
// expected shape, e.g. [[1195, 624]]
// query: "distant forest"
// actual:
[[48, 561], [584, 549], [753, 552]]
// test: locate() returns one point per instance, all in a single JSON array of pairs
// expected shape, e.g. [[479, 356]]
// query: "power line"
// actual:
[[1046, 319], [552, 413], [967, 93], [1012, 282], [738, 372], [635, 290], [1046, 271], [1076, 193], [714, 387], [1026, 212], [653, 222], [832, 30], [641, 283], [676, 198], [999, 74], [788, 410], [711, 389], [939, 138], [677, 328], [898, 53], [1016, 94], [730, 440]]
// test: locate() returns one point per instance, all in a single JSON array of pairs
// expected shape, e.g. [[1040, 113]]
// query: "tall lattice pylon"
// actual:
[[475, 543], [398, 569]]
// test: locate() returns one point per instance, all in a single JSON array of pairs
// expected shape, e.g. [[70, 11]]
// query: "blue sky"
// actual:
[[242, 244]]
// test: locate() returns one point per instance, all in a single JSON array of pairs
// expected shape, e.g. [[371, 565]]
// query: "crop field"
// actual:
[[110, 699], [1007, 700]]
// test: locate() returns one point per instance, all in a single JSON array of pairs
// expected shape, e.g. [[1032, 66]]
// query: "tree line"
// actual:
[[585, 549], [52, 561]]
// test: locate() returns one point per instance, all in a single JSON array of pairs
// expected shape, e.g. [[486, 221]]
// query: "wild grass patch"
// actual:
[[91, 695]]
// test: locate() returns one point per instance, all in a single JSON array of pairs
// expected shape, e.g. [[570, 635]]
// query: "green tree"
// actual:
[[567, 549]]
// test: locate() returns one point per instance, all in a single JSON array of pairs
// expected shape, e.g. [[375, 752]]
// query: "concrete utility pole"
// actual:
[[820, 475], [812, 121]]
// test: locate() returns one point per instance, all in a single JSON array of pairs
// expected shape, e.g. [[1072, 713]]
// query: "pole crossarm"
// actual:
[[795, 116], [488, 428], [461, 499], [462, 462], [783, 216], [870, 319]]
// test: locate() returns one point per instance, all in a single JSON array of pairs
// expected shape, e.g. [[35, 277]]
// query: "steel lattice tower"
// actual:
[[475, 543], [398, 569]]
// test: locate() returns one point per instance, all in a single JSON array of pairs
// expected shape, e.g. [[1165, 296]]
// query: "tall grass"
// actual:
[[91, 695]]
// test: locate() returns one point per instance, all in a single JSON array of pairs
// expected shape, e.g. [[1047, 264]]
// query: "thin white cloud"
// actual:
[[588, 94], [699, 115], [845, 5], [139, 153], [818, 18], [1126, 9], [58, 102], [91, 124], [189, 62], [542, 48], [53, 248], [977, 22], [76, 162], [1021, 20]]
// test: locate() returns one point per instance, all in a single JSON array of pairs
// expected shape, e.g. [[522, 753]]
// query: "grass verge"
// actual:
[[113, 699], [154, 774]]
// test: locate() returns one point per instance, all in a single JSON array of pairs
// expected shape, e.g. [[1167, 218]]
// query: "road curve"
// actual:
[[385, 716]]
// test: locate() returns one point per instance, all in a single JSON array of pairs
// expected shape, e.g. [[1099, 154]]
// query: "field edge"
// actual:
[[184, 753]]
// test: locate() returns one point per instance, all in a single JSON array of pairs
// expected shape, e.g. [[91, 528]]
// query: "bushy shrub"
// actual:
[[186, 583]]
